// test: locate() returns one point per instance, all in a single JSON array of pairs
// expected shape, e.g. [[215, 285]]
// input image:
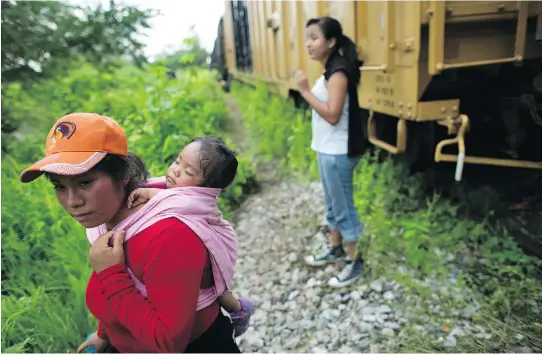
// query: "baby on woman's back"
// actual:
[[205, 162]]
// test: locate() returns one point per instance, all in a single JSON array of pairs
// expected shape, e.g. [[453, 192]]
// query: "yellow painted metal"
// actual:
[[229, 47], [254, 38], [390, 50], [437, 16], [461, 157], [401, 136], [404, 45], [434, 110], [437, 40], [283, 42], [472, 11]]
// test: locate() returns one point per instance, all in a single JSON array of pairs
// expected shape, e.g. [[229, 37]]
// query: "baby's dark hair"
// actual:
[[217, 161]]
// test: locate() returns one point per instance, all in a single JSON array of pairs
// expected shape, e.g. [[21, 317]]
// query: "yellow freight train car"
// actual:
[[471, 70]]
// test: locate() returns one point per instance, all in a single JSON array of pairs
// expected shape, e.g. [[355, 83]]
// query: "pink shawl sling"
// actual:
[[197, 207]]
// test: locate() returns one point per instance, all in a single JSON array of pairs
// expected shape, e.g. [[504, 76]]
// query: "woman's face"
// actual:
[[92, 199], [186, 171], [317, 45]]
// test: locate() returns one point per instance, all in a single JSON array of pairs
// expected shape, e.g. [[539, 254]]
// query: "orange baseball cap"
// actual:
[[76, 143]]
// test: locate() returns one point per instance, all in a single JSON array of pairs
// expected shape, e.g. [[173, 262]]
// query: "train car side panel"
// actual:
[[283, 41], [254, 39], [449, 62], [345, 13], [390, 49], [229, 37]]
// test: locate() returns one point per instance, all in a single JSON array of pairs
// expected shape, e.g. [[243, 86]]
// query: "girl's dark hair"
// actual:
[[331, 28], [121, 168], [217, 161]]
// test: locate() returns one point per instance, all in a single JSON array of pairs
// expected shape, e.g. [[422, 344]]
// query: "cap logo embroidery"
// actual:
[[62, 130]]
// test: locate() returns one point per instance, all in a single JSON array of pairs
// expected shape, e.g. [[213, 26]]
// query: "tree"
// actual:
[[41, 38], [44, 39], [191, 53]]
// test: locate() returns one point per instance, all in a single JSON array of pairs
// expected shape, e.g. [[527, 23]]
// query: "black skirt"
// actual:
[[218, 338]]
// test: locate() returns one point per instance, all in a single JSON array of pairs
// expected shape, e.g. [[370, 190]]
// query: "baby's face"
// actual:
[[185, 171]]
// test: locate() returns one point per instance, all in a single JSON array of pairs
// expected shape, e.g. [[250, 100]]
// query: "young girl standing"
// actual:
[[337, 139]]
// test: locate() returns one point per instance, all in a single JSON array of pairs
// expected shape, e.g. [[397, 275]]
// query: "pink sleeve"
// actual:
[[156, 182]]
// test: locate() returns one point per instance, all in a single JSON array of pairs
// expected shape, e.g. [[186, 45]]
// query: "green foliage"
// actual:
[[191, 54], [404, 227], [45, 251], [44, 269], [45, 39], [41, 38], [288, 130]]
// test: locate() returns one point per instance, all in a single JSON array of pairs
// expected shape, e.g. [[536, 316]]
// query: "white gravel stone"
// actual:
[[295, 309]]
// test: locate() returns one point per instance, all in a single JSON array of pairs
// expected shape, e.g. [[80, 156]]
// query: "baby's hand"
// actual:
[[141, 196], [138, 197]]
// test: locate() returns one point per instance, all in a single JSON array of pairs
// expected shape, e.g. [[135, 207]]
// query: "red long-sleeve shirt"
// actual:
[[170, 259]]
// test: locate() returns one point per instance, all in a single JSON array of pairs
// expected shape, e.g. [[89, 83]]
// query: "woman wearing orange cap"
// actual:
[[93, 174]]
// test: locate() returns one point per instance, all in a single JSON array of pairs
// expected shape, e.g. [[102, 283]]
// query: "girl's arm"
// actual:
[[331, 110]]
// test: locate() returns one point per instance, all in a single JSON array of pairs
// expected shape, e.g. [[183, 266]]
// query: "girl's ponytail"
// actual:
[[350, 53]]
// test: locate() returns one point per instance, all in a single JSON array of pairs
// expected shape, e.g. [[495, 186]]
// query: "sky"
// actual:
[[170, 28]]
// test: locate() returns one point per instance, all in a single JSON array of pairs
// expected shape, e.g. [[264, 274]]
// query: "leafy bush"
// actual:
[[406, 227], [277, 130], [45, 252]]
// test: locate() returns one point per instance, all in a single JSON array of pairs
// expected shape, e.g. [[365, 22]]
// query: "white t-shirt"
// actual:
[[327, 138]]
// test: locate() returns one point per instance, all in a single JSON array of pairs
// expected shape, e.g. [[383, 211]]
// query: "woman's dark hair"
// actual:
[[217, 161], [331, 28], [121, 168]]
